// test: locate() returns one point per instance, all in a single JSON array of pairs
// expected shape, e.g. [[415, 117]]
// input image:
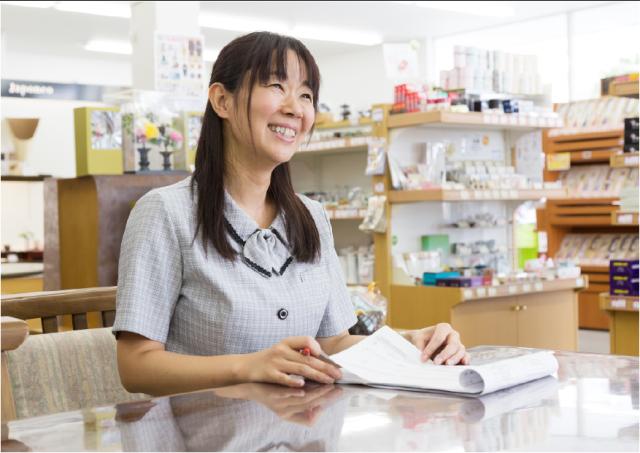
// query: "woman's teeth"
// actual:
[[285, 131]]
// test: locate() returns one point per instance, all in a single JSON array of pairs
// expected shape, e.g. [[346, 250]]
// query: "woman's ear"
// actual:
[[220, 99]]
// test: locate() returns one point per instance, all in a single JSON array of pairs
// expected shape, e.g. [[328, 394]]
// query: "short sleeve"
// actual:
[[149, 271], [339, 314]]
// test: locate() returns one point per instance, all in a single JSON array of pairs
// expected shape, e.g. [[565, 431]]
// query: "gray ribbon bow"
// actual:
[[265, 251]]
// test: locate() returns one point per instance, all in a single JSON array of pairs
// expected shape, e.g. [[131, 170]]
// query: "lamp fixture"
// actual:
[[489, 9], [118, 47]]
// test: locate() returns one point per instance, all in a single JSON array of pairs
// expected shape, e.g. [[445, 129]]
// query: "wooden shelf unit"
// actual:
[[470, 119], [344, 124], [415, 196], [339, 146], [622, 218], [512, 314], [623, 327], [624, 160], [582, 215], [482, 315]]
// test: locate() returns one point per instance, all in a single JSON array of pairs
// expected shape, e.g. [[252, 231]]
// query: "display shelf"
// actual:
[[14, 178], [619, 303], [624, 160], [344, 123], [626, 88], [623, 218], [335, 146], [507, 290], [470, 119], [346, 213], [582, 134], [623, 323], [593, 157], [413, 196]]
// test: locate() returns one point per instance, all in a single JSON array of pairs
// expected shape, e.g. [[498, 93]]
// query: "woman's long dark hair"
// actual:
[[251, 57]]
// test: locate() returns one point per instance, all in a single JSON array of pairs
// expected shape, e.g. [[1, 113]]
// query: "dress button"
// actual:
[[283, 313]]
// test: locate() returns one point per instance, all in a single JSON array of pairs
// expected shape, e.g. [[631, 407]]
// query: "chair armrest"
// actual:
[[54, 303], [14, 332]]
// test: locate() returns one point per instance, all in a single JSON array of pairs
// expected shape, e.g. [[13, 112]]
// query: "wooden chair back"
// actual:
[[49, 305]]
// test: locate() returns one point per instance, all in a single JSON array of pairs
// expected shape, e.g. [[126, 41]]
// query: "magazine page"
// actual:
[[386, 359]]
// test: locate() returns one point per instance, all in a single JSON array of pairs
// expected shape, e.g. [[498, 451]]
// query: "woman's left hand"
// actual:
[[441, 343]]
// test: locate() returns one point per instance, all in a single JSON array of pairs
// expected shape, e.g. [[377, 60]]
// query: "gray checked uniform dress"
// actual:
[[170, 291]]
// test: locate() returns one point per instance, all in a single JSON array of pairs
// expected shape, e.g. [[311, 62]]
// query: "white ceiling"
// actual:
[[54, 32]]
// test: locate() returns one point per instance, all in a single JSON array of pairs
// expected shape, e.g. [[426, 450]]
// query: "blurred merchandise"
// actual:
[[371, 309]]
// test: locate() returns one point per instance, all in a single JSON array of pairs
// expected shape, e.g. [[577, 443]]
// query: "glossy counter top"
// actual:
[[590, 405]]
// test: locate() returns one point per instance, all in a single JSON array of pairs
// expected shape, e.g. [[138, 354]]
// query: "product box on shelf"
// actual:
[[430, 278], [623, 286], [625, 268], [460, 282], [98, 134]]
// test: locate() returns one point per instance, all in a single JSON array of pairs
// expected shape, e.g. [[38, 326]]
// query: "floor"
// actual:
[[593, 341]]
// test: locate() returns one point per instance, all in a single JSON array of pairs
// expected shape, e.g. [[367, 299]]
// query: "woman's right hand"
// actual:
[[284, 364]]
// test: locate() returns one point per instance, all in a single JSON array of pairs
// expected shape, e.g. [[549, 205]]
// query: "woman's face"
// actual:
[[282, 114]]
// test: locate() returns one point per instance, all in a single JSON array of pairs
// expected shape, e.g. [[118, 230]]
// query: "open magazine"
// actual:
[[386, 359]]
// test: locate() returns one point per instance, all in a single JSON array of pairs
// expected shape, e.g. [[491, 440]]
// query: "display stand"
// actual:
[[513, 314], [589, 214], [334, 159], [623, 324]]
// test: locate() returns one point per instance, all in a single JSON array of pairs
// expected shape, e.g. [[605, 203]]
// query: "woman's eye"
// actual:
[[307, 96], [277, 85]]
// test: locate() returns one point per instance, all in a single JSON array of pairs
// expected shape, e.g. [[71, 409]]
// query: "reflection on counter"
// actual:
[[592, 405]]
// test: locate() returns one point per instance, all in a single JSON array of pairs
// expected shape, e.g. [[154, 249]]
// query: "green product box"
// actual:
[[98, 132], [433, 242]]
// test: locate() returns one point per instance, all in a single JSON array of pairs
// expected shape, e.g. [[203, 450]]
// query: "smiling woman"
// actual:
[[226, 276]]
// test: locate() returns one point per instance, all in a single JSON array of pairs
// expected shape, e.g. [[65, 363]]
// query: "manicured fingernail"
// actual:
[[449, 362], [437, 360]]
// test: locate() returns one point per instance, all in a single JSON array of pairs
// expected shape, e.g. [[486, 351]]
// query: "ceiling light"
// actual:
[[244, 24], [491, 9], [31, 4], [119, 47], [111, 9], [336, 35]]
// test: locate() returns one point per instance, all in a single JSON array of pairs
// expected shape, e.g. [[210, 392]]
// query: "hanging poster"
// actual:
[[179, 64]]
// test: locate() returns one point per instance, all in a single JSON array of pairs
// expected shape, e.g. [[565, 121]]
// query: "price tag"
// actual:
[[618, 303], [492, 292], [538, 286], [481, 292], [513, 194], [631, 161], [513, 120], [467, 294], [586, 154], [579, 281], [465, 195], [624, 219], [512, 289], [377, 115], [635, 305], [526, 288], [378, 187]]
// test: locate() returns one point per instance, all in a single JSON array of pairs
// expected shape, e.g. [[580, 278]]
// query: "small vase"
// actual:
[[166, 162], [144, 160]]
